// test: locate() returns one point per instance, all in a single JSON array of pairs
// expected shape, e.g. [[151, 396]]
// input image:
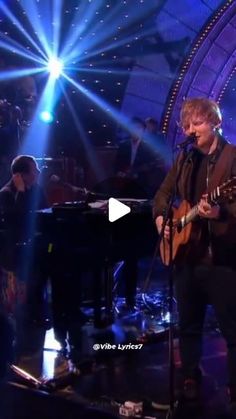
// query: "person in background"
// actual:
[[6, 338], [158, 140], [136, 161], [9, 141], [152, 128], [19, 262]]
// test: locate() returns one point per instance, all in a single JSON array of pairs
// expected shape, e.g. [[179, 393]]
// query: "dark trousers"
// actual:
[[128, 278], [34, 271], [130, 272], [7, 338], [195, 288]]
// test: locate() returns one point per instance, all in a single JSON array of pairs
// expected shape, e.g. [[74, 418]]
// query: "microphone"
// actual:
[[189, 140], [56, 180]]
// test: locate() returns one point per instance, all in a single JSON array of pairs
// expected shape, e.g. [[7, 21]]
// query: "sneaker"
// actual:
[[61, 365]]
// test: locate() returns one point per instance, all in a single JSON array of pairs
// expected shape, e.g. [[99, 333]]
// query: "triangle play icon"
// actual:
[[116, 209]]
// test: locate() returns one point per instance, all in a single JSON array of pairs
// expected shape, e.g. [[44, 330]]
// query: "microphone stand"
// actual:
[[168, 217], [18, 132]]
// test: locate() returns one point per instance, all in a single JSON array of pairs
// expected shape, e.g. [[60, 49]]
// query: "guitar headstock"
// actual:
[[226, 192]]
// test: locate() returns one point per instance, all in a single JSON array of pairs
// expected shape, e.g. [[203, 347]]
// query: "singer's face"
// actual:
[[202, 128]]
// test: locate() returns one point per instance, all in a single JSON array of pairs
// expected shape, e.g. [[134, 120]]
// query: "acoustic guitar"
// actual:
[[185, 230]]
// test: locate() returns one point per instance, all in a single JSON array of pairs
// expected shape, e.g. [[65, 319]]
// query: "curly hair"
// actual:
[[200, 106]]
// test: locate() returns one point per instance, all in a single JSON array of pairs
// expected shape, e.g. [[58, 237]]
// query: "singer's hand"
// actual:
[[159, 222], [18, 182], [205, 210]]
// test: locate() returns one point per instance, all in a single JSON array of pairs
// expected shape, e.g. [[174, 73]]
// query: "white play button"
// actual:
[[116, 209]]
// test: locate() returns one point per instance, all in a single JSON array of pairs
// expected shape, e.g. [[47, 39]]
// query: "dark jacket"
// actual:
[[145, 156], [17, 210], [222, 230], [21, 202], [147, 171]]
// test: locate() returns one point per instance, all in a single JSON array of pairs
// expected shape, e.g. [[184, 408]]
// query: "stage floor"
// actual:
[[127, 361]]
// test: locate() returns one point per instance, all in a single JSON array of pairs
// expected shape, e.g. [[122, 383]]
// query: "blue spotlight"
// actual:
[[55, 67], [46, 117]]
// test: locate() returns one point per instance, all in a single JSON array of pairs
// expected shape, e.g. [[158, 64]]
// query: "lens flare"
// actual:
[[55, 67], [46, 117]]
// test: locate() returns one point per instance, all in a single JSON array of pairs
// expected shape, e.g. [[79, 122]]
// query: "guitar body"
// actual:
[[186, 231], [181, 237]]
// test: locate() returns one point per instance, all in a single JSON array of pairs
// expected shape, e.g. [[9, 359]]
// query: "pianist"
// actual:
[[22, 193], [19, 198]]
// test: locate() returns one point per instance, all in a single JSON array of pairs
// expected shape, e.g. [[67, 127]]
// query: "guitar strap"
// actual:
[[223, 164]]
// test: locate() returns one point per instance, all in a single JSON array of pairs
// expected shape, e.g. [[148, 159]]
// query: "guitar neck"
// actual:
[[222, 193], [187, 218]]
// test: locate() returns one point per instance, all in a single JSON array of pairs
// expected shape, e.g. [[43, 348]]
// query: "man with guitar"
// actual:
[[204, 237]]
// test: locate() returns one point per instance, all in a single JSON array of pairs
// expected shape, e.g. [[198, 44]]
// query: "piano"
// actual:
[[86, 227], [78, 235]]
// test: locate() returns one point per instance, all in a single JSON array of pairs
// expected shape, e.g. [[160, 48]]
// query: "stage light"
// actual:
[[46, 117], [55, 67]]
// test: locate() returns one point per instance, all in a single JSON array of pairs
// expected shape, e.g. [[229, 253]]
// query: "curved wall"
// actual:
[[207, 69], [153, 75]]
